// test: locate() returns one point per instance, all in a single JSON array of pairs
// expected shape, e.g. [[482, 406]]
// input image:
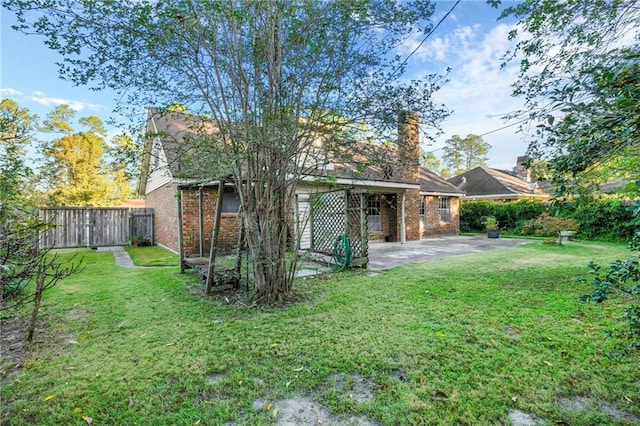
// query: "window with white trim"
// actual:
[[444, 206], [423, 209]]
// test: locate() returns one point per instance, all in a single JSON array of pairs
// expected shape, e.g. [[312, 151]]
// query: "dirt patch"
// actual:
[[300, 411], [15, 352], [582, 403], [305, 412], [215, 378], [520, 418], [352, 386]]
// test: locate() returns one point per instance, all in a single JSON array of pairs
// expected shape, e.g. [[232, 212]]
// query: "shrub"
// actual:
[[473, 213], [511, 215], [608, 220], [546, 225]]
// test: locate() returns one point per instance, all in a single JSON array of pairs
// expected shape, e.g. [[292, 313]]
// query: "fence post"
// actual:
[[87, 224], [130, 226]]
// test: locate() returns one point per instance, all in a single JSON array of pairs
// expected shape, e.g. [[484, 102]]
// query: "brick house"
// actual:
[[404, 201]]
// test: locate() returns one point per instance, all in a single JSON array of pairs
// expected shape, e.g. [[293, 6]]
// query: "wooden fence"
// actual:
[[96, 227]]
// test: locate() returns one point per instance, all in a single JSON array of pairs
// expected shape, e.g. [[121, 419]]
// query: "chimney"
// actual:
[[522, 171], [409, 146]]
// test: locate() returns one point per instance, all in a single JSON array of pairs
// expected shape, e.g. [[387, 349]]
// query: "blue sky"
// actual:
[[470, 41]]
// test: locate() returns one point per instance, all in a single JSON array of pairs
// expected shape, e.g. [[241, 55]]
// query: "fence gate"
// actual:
[[336, 213], [95, 227]]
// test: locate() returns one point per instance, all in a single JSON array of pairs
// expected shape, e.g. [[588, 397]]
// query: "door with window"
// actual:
[[374, 217]]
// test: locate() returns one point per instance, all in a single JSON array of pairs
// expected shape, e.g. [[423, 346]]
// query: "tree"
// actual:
[[464, 154], [579, 76], [22, 260], [16, 133], [446, 173], [273, 76], [430, 161], [124, 162], [74, 171]]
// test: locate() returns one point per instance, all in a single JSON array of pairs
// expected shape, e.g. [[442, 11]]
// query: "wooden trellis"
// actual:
[[336, 213]]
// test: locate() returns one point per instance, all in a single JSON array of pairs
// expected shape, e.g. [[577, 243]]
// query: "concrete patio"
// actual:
[[389, 255]]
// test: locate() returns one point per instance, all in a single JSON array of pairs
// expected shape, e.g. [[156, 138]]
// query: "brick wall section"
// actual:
[[409, 146], [433, 226], [412, 214], [409, 155], [165, 215], [229, 222]]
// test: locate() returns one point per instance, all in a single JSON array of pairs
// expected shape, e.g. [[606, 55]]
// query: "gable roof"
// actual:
[[172, 128], [357, 162], [488, 183], [432, 184]]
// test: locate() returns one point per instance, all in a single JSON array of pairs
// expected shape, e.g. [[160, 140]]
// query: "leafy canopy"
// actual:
[[275, 77], [17, 126], [580, 77], [461, 154], [75, 171]]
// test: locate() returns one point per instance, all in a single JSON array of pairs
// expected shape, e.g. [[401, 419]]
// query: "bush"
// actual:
[[472, 214], [511, 215], [546, 225], [606, 220], [514, 214]]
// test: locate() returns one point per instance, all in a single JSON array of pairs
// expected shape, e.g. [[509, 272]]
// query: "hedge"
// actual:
[[605, 220]]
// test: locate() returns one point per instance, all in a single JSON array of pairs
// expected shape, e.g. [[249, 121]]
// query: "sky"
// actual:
[[470, 41]]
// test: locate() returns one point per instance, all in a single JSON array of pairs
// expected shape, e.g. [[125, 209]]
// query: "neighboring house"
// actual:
[[484, 183], [404, 201]]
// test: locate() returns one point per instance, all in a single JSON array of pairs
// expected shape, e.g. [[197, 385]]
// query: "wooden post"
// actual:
[[214, 237], [364, 235], [239, 248], [403, 222], [200, 222], [180, 231]]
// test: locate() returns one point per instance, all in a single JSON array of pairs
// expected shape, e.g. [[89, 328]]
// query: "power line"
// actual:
[[504, 127], [404, 62], [489, 132]]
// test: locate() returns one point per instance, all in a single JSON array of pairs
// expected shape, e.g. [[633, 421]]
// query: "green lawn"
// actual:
[[152, 256], [462, 340]]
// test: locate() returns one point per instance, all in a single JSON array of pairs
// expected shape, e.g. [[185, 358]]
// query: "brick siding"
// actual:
[[433, 226], [229, 223], [164, 202]]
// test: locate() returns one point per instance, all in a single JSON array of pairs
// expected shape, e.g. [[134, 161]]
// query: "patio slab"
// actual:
[[384, 255]]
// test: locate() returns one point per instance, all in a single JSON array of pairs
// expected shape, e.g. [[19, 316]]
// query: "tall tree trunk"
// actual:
[[267, 229], [37, 297]]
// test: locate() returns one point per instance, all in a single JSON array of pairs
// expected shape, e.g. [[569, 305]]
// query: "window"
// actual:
[[230, 201], [423, 208], [374, 220], [445, 209]]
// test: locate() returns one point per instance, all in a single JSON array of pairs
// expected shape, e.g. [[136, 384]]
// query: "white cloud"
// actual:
[[7, 91], [479, 91], [42, 99]]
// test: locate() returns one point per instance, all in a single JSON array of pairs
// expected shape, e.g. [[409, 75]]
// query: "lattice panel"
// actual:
[[336, 213], [327, 220], [357, 223]]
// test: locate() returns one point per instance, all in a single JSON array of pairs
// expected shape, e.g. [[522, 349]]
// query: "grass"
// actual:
[[460, 340], [152, 256]]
